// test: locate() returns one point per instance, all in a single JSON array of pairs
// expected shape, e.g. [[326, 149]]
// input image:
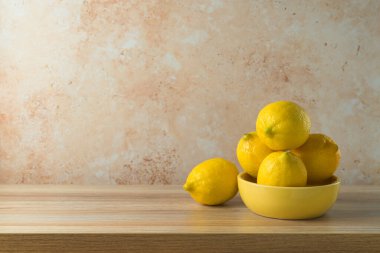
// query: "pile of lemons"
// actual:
[[281, 152]]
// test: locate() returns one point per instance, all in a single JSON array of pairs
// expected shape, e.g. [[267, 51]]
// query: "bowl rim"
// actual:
[[335, 182]]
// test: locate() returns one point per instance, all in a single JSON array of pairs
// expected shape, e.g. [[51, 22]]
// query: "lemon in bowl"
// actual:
[[283, 125], [250, 152], [284, 202]]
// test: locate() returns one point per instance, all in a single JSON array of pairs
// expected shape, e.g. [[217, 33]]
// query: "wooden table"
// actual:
[[51, 218]]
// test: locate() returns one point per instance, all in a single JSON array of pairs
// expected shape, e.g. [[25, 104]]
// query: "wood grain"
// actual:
[[45, 218]]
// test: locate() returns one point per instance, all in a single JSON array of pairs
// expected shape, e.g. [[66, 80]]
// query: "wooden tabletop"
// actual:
[[45, 218]]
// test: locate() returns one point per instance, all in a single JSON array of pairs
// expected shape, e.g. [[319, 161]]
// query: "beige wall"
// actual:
[[126, 92]]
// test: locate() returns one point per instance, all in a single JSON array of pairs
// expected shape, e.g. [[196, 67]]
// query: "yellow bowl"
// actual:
[[287, 202]]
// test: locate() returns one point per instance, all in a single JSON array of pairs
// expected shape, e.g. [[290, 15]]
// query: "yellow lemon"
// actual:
[[250, 153], [212, 182], [283, 125], [321, 156], [282, 168]]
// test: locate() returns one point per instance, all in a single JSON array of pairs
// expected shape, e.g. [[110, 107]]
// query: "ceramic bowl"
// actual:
[[288, 202]]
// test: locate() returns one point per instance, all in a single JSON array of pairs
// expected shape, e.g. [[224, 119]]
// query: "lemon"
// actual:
[[212, 182], [321, 156], [282, 168], [283, 125], [250, 153]]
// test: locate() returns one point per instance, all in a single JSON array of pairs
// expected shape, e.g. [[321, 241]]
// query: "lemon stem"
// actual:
[[187, 187], [269, 131], [247, 135], [287, 154]]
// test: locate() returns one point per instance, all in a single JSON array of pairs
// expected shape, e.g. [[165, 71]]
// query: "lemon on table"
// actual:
[[212, 182], [283, 125], [321, 156], [282, 168], [250, 152]]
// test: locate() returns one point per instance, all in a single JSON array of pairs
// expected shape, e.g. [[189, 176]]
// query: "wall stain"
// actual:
[[10, 132], [357, 50], [344, 65], [157, 168]]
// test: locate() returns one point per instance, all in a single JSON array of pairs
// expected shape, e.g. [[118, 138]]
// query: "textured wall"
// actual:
[[125, 92]]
